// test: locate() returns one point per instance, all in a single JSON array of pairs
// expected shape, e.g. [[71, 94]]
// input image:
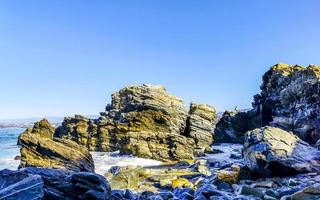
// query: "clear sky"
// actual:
[[61, 57]]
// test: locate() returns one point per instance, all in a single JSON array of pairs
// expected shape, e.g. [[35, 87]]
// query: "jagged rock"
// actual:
[[79, 129], [41, 183], [42, 128], [234, 124], [290, 99], [271, 151], [229, 175], [20, 185], [200, 124], [145, 121], [38, 150]]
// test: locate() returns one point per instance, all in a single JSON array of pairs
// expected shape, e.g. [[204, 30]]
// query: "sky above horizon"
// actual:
[[60, 58]]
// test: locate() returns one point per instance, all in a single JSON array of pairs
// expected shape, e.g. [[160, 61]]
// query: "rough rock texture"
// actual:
[[271, 151], [200, 124], [40, 183], [145, 121], [20, 185], [290, 99], [38, 150], [234, 124]]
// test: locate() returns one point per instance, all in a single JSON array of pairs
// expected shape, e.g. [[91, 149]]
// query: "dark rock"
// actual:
[[290, 99], [271, 151], [37, 183], [20, 185], [250, 191], [234, 124]]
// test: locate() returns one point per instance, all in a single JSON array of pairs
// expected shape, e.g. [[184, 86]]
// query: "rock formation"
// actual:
[[271, 151], [234, 124], [40, 183], [290, 99], [40, 149], [145, 121]]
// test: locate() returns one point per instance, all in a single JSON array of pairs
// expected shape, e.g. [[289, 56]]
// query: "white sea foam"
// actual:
[[103, 161]]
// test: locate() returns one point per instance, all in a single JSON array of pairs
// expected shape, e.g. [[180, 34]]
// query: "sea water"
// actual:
[[9, 148], [103, 160]]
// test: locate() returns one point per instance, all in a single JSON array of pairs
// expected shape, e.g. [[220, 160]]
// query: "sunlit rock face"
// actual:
[[271, 151], [40, 149], [147, 122], [290, 99]]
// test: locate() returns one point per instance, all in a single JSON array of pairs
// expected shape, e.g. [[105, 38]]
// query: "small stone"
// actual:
[[181, 182], [246, 190]]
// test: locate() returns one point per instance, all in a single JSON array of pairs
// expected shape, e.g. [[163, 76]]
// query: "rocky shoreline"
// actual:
[[273, 150]]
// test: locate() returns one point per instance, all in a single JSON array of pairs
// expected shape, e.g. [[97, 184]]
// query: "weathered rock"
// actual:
[[200, 124], [145, 121], [81, 130], [310, 193], [232, 126], [20, 185], [272, 151], [290, 99], [38, 150], [42, 128], [230, 175]]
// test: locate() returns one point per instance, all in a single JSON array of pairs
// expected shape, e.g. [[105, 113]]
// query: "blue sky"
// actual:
[[60, 57]]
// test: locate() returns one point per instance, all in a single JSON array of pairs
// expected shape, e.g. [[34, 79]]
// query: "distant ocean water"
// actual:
[[103, 161], [9, 148]]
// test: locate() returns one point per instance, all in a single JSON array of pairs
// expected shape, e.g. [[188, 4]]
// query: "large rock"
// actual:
[[290, 99], [38, 150], [200, 124], [40, 183], [232, 126], [145, 121], [271, 151], [20, 185]]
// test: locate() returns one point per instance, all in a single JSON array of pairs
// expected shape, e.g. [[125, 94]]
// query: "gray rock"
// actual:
[[270, 151]]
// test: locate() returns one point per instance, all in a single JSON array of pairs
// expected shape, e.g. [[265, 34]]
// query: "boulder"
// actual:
[[290, 99], [41, 183], [20, 185], [271, 151], [38, 150]]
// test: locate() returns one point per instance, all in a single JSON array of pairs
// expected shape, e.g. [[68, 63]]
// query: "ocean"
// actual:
[[9, 147], [103, 160]]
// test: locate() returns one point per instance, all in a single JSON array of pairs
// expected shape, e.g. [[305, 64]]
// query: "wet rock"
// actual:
[[311, 192], [20, 185], [38, 149], [250, 191], [41, 183], [289, 99], [270, 151]]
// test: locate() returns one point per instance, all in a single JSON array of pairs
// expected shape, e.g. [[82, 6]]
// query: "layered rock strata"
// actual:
[[40, 149]]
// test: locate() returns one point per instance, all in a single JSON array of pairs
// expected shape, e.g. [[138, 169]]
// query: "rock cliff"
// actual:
[[290, 99]]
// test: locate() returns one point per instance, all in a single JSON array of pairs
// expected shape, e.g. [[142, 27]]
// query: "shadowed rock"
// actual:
[[271, 151], [40, 183]]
